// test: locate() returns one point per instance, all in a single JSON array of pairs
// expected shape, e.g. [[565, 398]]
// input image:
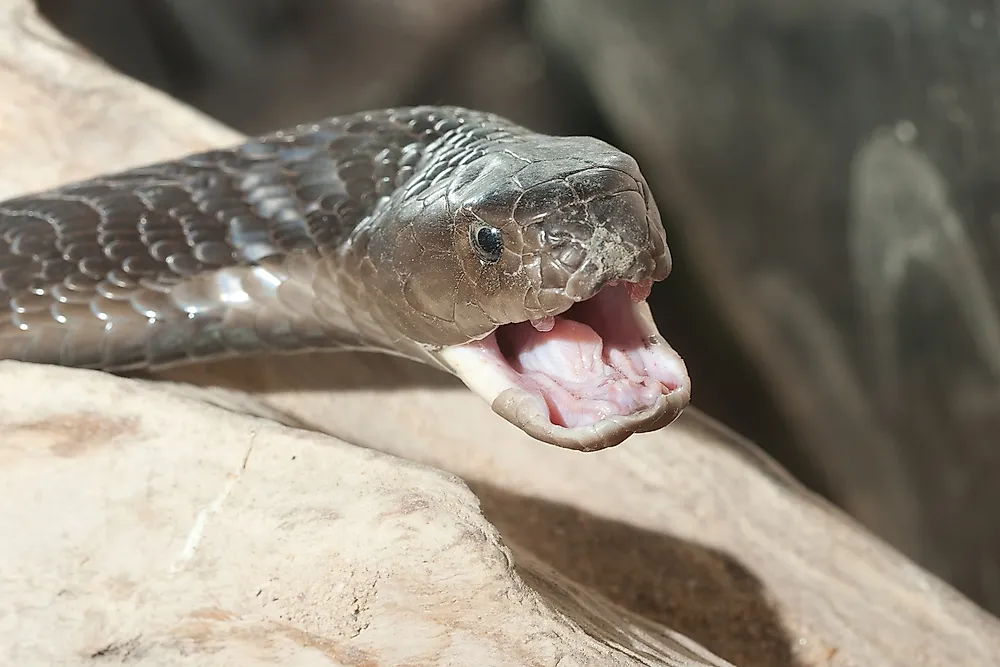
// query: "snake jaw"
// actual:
[[598, 374]]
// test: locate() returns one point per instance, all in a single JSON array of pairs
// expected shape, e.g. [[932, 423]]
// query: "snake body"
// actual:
[[451, 236]]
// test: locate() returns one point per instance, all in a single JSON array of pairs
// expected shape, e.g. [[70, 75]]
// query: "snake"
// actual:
[[519, 262]]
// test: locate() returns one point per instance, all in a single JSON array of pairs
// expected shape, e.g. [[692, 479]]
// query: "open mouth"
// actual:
[[586, 378]]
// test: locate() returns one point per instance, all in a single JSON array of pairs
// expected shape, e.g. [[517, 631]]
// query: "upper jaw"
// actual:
[[587, 281], [593, 276]]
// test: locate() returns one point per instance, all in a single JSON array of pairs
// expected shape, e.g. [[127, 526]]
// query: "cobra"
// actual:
[[517, 261]]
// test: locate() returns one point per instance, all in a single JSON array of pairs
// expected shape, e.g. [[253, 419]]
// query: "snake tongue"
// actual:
[[585, 379]]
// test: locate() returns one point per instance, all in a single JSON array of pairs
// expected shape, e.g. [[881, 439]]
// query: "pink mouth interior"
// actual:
[[589, 363]]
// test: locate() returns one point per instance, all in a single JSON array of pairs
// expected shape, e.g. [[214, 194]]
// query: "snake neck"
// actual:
[[215, 254]]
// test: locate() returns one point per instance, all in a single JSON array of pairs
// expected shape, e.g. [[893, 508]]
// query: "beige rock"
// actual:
[[155, 523]]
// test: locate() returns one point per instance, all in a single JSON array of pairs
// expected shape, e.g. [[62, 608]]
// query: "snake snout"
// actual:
[[625, 245]]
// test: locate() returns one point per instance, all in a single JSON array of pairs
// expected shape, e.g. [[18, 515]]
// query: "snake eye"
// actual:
[[487, 242]]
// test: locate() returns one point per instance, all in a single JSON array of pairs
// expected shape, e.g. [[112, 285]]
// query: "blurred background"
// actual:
[[828, 173]]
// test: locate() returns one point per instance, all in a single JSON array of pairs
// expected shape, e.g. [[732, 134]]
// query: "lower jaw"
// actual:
[[483, 366], [521, 410]]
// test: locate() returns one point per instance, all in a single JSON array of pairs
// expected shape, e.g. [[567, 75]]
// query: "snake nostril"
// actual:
[[557, 236]]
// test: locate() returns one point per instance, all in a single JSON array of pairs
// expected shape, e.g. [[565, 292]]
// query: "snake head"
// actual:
[[521, 263], [559, 242]]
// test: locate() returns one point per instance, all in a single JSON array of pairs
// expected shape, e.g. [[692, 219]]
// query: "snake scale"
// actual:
[[518, 261]]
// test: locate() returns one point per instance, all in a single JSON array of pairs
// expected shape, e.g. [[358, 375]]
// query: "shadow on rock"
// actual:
[[700, 592]]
